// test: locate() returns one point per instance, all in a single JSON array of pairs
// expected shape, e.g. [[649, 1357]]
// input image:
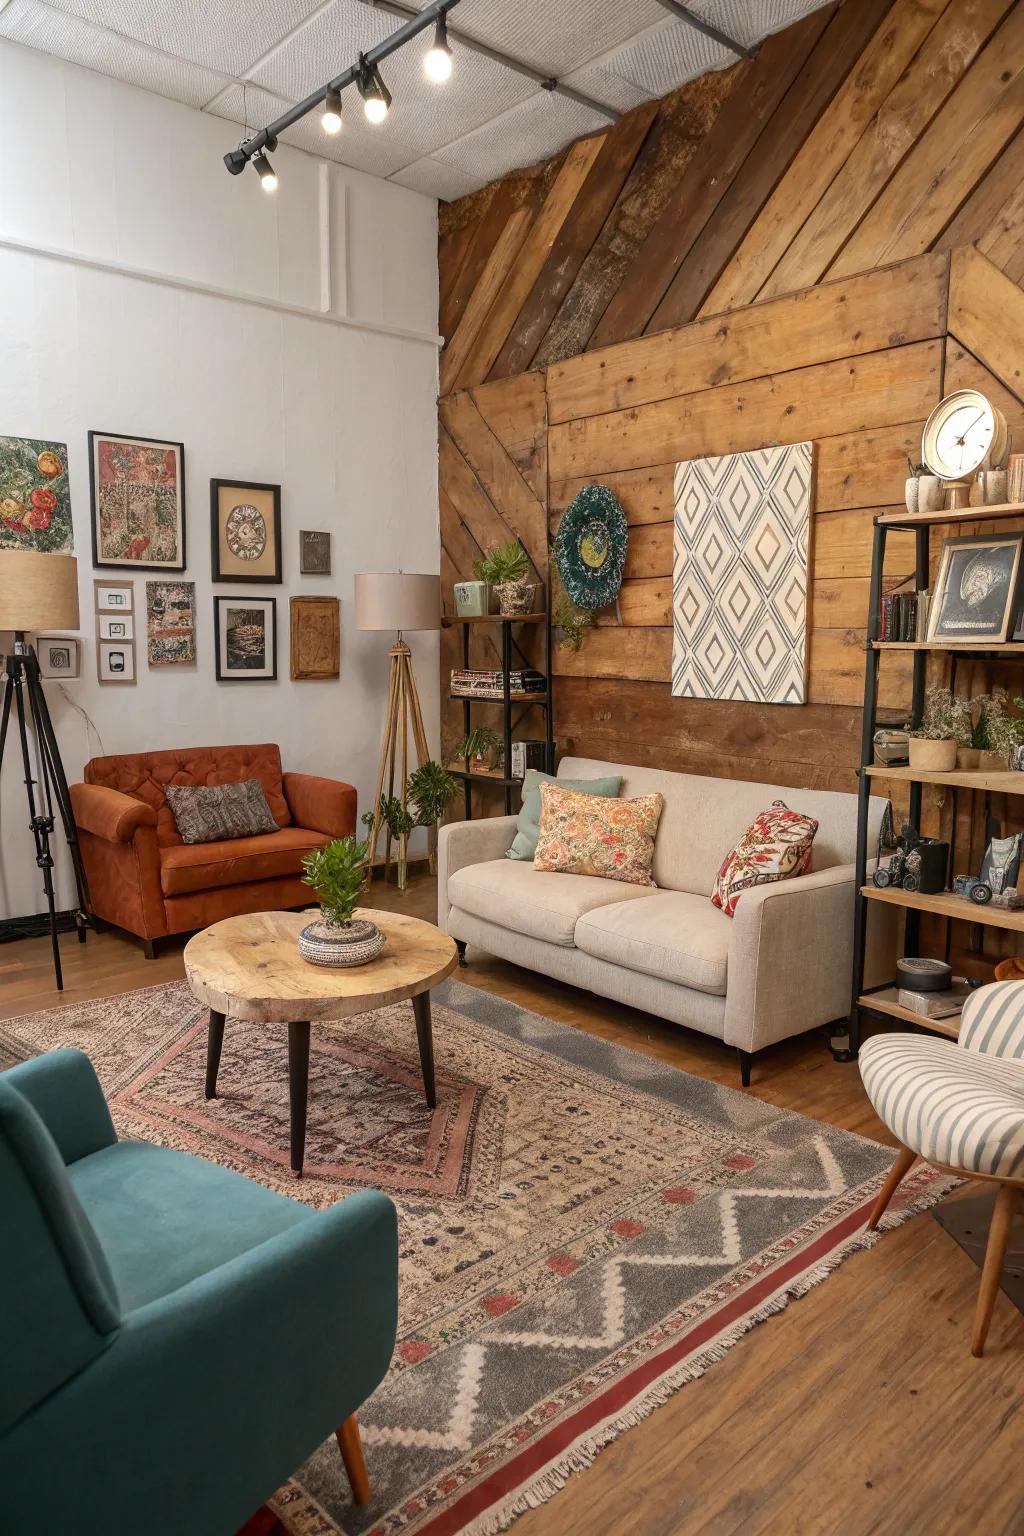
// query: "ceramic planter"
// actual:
[[472, 599], [910, 494], [929, 493], [515, 597], [992, 762], [340, 944], [932, 756], [967, 759]]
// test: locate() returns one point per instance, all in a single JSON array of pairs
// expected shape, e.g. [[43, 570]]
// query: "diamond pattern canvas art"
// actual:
[[739, 578]]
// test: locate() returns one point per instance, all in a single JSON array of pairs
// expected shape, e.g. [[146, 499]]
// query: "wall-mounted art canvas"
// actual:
[[171, 623], [35, 502], [314, 552], [245, 520], [115, 626], [315, 637], [138, 502], [115, 661], [58, 655], [739, 581], [246, 638]]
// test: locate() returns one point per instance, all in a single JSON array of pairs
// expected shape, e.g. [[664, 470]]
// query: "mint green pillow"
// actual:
[[524, 845]]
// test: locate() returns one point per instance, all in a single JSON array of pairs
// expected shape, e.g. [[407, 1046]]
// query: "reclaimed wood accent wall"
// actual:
[[767, 255]]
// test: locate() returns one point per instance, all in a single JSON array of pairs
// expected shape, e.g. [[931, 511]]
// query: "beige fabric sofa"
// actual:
[[780, 966]]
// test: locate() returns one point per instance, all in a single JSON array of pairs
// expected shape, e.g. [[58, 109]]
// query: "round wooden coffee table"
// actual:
[[249, 967]]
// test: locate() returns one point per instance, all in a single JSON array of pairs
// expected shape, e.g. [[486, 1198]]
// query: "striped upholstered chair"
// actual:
[[960, 1107]]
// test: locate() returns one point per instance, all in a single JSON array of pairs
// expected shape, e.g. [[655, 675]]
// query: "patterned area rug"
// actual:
[[583, 1229]]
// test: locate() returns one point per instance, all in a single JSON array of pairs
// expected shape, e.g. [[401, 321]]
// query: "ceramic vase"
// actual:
[[515, 597], [340, 944], [932, 756], [929, 493], [911, 494]]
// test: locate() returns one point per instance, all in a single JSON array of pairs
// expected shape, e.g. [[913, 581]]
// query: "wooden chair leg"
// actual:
[[351, 1448], [995, 1253], [905, 1160]]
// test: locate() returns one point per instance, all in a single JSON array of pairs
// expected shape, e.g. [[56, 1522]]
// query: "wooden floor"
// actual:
[[859, 1409]]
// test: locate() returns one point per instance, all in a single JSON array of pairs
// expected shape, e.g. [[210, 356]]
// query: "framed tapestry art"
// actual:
[[739, 581], [138, 502], [246, 638], [245, 520], [314, 552], [315, 637], [171, 623], [35, 502]]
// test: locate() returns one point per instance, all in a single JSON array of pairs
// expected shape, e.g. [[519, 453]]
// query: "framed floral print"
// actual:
[[245, 519], [35, 503], [138, 502], [245, 629]]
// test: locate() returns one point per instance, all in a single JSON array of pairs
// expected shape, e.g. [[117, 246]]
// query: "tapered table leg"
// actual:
[[298, 1090], [214, 1043], [425, 1036]]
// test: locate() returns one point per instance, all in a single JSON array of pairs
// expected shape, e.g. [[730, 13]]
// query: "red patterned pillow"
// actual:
[[776, 846]]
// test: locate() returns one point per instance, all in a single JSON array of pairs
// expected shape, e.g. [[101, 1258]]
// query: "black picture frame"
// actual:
[[135, 565], [242, 675], [217, 572], [984, 616]]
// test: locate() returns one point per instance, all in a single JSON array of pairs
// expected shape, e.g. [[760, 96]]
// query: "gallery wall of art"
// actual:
[[126, 274]]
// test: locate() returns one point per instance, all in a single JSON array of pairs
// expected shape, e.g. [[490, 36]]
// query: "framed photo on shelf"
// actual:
[[245, 522], [58, 656], [245, 630], [137, 486], [975, 599]]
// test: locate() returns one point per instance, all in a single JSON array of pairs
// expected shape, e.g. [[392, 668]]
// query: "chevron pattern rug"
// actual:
[[583, 1229]]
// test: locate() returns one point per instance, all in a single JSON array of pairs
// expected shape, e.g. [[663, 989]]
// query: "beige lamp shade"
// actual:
[[398, 600], [37, 591]]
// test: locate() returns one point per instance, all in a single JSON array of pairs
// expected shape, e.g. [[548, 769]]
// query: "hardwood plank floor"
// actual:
[[857, 1411]]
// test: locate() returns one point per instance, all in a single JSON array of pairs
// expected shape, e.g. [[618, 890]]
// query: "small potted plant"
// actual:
[[988, 740], [336, 874], [506, 568], [945, 726], [430, 791], [1007, 737], [480, 751]]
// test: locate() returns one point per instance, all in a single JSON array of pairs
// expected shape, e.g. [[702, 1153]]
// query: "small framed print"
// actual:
[[245, 629], [976, 589], [115, 626], [138, 502], [314, 552], [245, 523], [115, 661], [114, 596], [58, 656]]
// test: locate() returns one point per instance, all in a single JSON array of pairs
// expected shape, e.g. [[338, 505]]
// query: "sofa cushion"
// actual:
[[524, 844], [673, 935], [211, 813], [534, 902], [145, 775], [203, 866]]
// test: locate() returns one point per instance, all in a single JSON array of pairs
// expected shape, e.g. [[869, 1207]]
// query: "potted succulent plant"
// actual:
[[336, 874], [945, 726], [481, 749], [506, 568], [430, 791]]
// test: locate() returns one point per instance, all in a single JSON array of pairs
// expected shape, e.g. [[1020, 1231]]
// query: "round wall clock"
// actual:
[[590, 548], [245, 532], [963, 433]]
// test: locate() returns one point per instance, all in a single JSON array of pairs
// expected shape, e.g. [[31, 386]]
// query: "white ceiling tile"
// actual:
[[360, 147], [601, 84], [555, 35], [748, 23], [528, 133], [665, 56], [37, 26], [437, 180]]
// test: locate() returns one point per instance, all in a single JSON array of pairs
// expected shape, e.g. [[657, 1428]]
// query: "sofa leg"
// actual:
[[746, 1062], [351, 1448], [460, 945], [149, 948]]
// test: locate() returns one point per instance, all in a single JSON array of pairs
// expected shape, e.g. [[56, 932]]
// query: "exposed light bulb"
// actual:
[[331, 120], [437, 63], [375, 94], [265, 171], [375, 108]]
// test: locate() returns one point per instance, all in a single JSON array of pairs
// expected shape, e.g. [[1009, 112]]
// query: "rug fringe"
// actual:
[[581, 1455]]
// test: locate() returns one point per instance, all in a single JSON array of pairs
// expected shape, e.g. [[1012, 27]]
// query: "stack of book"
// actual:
[[936, 1005], [904, 616], [479, 683]]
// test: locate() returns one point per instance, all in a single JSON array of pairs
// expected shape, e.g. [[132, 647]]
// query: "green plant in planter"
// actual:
[[336, 873], [430, 790], [394, 816], [1006, 732], [481, 744], [986, 710], [572, 624], [506, 562]]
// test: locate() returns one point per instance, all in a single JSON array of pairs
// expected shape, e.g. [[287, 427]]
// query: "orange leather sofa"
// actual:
[[141, 875]]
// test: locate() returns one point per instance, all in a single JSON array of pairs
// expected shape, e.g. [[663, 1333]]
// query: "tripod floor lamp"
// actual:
[[40, 592], [398, 601]]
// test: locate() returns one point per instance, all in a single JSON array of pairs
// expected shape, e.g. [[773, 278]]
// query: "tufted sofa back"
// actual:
[[146, 775]]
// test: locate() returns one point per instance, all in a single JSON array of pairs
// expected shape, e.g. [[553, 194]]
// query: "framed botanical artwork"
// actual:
[[314, 552], [171, 623], [58, 656], [35, 502], [114, 596], [138, 502], [115, 626], [315, 637], [245, 520], [976, 589], [115, 661], [245, 630]]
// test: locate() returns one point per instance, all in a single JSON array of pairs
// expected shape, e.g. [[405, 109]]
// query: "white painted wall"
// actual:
[[103, 177]]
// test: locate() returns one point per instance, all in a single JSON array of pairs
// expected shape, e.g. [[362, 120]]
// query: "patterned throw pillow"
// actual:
[[584, 834], [212, 814], [776, 846]]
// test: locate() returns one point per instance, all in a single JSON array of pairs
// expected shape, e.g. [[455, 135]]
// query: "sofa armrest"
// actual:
[[461, 843], [321, 805], [108, 813], [65, 1093]]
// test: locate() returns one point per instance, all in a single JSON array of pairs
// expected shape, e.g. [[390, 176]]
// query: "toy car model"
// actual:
[[973, 889]]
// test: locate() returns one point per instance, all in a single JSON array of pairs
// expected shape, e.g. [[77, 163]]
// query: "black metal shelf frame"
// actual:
[[543, 701]]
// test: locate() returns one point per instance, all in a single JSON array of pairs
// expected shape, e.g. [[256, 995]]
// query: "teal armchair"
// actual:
[[176, 1339]]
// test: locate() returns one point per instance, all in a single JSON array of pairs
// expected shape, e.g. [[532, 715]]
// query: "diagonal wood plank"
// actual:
[[515, 503], [499, 263], [468, 500], [986, 314], [516, 412]]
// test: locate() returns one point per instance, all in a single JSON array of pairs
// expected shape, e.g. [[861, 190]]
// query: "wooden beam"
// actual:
[[499, 263]]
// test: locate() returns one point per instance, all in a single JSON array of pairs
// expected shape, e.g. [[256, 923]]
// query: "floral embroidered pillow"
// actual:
[[776, 846], [583, 835]]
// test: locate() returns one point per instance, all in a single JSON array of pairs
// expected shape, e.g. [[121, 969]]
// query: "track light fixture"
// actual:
[[264, 170], [375, 94], [331, 120], [437, 63]]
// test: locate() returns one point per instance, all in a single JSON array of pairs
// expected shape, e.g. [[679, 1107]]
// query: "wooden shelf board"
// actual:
[[483, 776], [988, 647], [495, 618], [885, 1002], [961, 515], [999, 781], [945, 904], [514, 698]]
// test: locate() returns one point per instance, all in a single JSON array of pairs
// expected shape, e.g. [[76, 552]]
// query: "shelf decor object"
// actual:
[[590, 548], [964, 433]]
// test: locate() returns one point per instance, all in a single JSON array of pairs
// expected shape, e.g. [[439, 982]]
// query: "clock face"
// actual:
[[959, 434]]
